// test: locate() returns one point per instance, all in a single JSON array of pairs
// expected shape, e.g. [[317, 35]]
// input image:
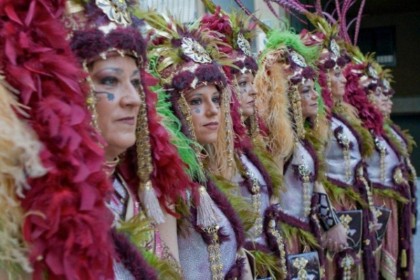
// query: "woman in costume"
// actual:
[[286, 84], [348, 143], [390, 189], [256, 180], [69, 225], [149, 179], [66, 222], [211, 238], [402, 140]]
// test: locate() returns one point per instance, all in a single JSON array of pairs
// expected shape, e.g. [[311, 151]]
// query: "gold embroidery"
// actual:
[[115, 10], [347, 263], [213, 249], [300, 264], [345, 221], [280, 244]]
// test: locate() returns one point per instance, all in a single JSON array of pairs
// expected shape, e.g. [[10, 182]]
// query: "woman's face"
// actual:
[[382, 101], [376, 97], [388, 106], [308, 99], [245, 83], [204, 103], [117, 87], [338, 83]]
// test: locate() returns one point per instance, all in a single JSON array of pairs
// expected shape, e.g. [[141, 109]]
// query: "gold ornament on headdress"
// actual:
[[386, 84], [298, 59], [244, 45], [300, 264], [335, 48], [116, 11], [195, 51], [73, 8], [372, 72], [296, 106]]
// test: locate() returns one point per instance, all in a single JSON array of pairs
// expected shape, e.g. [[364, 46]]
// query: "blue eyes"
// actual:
[[109, 81], [199, 101], [216, 100], [196, 101]]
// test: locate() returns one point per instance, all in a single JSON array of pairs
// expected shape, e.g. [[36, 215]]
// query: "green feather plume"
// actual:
[[390, 194], [140, 231], [181, 142], [304, 237], [164, 268], [277, 39], [339, 195], [265, 263]]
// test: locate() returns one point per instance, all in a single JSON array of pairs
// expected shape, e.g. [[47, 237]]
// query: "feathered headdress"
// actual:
[[385, 79], [362, 79], [106, 27], [186, 58], [19, 159], [285, 63], [236, 30], [67, 222]]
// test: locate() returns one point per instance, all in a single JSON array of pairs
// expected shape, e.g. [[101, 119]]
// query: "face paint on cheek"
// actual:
[[197, 110], [109, 96]]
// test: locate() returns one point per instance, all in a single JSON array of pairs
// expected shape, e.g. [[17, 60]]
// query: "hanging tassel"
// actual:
[[151, 204], [403, 258], [206, 215]]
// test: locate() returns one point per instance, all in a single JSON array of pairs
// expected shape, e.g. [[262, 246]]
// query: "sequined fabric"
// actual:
[[334, 156], [265, 200], [193, 253], [120, 273], [292, 201], [374, 165]]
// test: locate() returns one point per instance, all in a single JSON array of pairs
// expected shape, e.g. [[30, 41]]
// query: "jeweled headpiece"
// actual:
[[236, 30]]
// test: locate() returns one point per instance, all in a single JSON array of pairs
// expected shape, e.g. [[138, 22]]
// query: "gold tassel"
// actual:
[[403, 258], [206, 215], [151, 203], [144, 162]]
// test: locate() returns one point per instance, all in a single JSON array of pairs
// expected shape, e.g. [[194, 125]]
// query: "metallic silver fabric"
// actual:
[[265, 199], [374, 165], [334, 156], [120, 273], [193, 253], [292, 200]]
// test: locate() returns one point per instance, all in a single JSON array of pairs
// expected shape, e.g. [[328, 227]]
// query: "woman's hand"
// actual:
[[335, 239]]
